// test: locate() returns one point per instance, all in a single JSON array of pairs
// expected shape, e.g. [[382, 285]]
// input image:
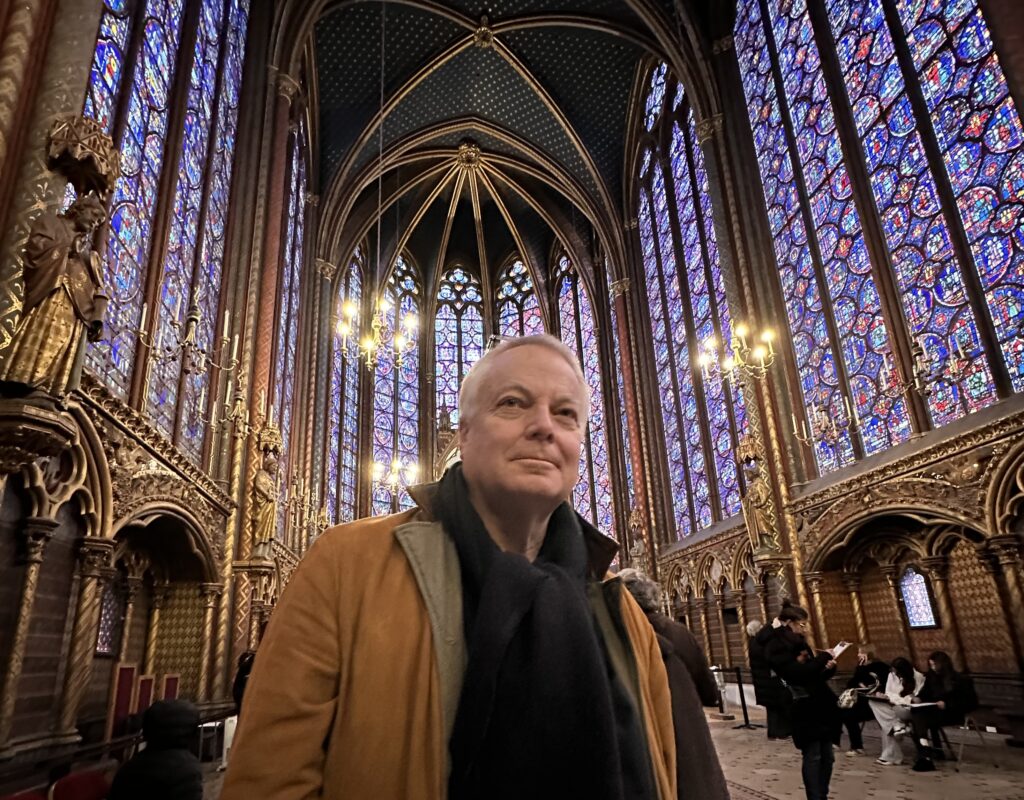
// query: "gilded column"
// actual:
[[814, 583], [891, 573], [135, 565], [741, 612], [705, 630], [210, 592], [94, 559], [36, 532], [762, 598], [160, 593], [618, 292], [1007, 551], [720, 613], [938, 571], [852, 584]]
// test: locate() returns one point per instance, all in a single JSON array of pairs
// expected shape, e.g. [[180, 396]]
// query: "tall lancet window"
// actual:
[[343, 402], [458, 337], [518, 308], [702, 413], [147, 54], [288, 321], [396, 396], [892, 160], [592, 496]]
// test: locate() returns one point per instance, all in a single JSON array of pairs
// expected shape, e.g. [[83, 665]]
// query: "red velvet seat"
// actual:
[[28, 794], [89, 785]]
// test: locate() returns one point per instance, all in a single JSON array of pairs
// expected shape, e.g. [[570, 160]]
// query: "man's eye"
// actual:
[[510, 402], [569, 412]]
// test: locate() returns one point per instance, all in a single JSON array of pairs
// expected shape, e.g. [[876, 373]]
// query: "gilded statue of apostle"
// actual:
[[265, 500], [64, 299]]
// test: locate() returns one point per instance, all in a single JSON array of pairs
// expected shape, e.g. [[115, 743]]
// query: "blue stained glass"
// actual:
[[108, 65], [916, 600], [458, 336], [981, 136], [801, 293], [856, 307], [176, 285], [350, 416], [134, 199], [518, 308], [288, 320], [657, 280], [592, 495], [396, 393], [655, 96], [705, 321], [929, 278]]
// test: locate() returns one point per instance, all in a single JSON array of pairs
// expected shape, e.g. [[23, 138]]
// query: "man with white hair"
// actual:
[[469, 647]]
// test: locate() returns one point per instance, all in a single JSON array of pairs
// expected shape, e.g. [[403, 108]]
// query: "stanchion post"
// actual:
[[743, 702]]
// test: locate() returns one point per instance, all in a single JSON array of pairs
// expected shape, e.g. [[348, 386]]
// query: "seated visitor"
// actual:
[[167, 769], [953, 696], [870, 673], [469, 647], [901, 687]]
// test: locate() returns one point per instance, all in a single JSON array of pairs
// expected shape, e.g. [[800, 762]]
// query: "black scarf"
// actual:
[[541, 713]]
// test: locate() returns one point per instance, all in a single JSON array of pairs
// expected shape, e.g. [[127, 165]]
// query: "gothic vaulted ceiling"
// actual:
[[504, 123]]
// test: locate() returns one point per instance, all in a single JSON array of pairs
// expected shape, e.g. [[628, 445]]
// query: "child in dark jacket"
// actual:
[[167, 769]]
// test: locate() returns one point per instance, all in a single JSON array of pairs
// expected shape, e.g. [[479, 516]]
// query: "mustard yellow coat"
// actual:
[[355, 687]]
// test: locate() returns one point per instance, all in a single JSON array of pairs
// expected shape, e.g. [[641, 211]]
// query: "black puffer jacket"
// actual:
[[815, 713], [166, 769], [768, 689]]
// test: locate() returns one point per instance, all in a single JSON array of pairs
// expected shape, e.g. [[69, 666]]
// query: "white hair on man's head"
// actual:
[[645, 591], [754, 626], [470, 389]]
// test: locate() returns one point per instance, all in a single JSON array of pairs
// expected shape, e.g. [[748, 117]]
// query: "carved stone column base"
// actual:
[[32, 428]]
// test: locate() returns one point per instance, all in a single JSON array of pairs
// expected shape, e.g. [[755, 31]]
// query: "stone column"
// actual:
[[94, 554], [1007, 551], [762, 599], [720, 612], [702, 610], [210, 592], [852, 584], [135, 565], [990, 563], [814, 583], [37, 532], [160, 593], [938, 571], [891, 573], [741, 612]]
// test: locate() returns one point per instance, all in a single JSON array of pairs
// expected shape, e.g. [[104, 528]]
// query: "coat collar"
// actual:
[[601, 549]]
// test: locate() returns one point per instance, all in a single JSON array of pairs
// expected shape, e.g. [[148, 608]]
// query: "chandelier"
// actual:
[[385, 339], [750, 356], [399, 476]]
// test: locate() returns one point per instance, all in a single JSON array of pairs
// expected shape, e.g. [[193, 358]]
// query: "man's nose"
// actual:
[[541, 423]]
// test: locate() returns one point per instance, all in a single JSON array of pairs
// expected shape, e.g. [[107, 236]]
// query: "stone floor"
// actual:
[[758, 769], [761, 770]]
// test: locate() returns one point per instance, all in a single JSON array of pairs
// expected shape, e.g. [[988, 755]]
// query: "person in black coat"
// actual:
[[167, 769], [815, 713], [769, 691], [245, 662], [870, 672], [954, 697]]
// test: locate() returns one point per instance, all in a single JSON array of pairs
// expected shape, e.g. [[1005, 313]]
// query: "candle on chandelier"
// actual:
[[142, 320]]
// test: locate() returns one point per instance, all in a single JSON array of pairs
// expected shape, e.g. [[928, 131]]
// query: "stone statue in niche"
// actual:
[[758, 508], [64, 303], [265, 489]]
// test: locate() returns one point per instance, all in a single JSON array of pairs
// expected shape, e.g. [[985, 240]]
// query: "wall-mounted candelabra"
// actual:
[[383, 336], [195, 359], [930, 365], [750, 356], [827, 426], [307, 515], [394, 478]]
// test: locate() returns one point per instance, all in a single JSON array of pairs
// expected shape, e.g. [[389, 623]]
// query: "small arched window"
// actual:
[[458, 336], [518, 307], [917, 600]]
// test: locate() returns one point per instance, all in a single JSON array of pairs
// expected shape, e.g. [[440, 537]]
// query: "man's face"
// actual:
[[522, 443]]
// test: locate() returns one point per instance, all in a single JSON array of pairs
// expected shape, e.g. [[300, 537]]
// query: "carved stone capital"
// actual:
[[36, 532], [815, 580], [161, 591], [483, 36], [619, 287], [95, 556], [708, 128], [211, 592], [133, 585], [287, 86], [851, 581], [135, 563], [326, 268], [723, 45], [1007, 550], [937, 567], [311, 199], [31, 429]]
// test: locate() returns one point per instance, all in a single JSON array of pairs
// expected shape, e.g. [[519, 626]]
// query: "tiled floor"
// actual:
[[761, 770]]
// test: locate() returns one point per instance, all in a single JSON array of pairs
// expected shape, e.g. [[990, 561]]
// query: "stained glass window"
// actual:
[[396, 394], [621, 390], [130, 88], [519, 311], [286, 344], [981, 137], [592, 496], [343, 401], [132, 208], [916, 600], [108, 634], [458, 337]]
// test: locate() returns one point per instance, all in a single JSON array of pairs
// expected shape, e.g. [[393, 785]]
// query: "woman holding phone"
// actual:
[[815, 713]]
